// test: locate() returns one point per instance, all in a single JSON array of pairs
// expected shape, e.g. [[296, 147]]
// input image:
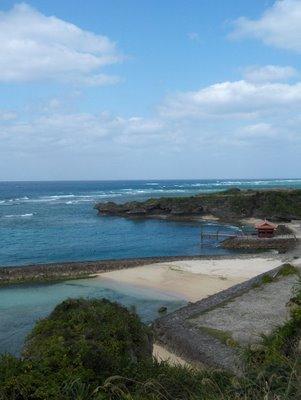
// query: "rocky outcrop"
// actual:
[[233, 204], [164, 206], [281, 244]]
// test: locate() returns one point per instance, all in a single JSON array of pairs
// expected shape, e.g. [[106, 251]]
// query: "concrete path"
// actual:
[[245, 318], [212, 331]]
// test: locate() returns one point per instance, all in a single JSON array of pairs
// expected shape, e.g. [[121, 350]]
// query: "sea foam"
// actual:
[[19, 215]]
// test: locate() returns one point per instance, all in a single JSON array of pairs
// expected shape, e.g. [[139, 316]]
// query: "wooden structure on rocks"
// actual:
[[265, 229]]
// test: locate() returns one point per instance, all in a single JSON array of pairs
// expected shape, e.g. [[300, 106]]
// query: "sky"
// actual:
[[137, 89]]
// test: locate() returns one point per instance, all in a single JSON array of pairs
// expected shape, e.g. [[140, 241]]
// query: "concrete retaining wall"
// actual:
[[176, 333], [280, 243]]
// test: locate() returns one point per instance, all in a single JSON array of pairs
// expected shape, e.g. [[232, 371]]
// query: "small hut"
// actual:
[[265, 229]]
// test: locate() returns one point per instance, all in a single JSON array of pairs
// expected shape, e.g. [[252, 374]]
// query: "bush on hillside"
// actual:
[[82, 340], [97, 350], [100, 336]]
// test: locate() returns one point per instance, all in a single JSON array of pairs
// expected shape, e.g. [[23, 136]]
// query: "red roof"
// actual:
[[265, 225]]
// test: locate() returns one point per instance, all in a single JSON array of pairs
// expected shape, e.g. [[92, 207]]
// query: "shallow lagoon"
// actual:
[[21, 306]]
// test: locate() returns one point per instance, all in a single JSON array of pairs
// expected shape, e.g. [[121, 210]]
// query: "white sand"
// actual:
[[209, 217], [196, 279], [162, 354], [192, 279]]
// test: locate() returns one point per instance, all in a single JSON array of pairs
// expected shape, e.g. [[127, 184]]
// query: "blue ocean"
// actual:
[[44, 222]]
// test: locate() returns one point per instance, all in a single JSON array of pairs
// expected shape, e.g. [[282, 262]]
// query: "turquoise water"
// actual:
[[55, 221], [22, 306]]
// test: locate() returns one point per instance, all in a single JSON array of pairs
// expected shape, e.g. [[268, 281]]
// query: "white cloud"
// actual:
[[239, 115], [7, 115], [37, 47], [279, 26], [79, 132], [261, 129], [240, 99], [269, 73]]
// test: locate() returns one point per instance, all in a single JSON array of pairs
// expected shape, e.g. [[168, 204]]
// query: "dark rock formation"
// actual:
[[164, 206], [282, 244], [283, 230], [233, 204]]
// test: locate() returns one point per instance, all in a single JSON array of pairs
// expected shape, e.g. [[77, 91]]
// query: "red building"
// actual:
[[265, 229]]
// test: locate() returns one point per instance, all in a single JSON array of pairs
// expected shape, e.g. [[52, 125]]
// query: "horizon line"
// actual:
[[146, 180]]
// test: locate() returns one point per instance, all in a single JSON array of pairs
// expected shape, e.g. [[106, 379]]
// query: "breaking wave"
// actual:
[[148, 189], [27, 215]]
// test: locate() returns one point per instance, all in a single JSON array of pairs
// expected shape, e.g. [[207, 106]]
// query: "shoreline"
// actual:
[[229, 205], [194, 279], [204, 285], [69, 270], [191, 278], [60, 271]]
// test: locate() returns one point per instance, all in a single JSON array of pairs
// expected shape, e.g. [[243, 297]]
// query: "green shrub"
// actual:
[[287, 269], [266, 279], [99, 336], [278, 361], [97, 350], [82, 340]]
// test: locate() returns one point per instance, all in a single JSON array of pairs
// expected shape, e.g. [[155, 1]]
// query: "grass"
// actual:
[[285, 270], [267, 279], [223, 336], [278, 361], [55, 371], [273, 371]]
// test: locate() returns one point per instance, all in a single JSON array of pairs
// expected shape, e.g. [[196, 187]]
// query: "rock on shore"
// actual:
[[277, 204]]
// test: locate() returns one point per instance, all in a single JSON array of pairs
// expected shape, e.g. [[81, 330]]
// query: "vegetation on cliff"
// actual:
[[97, 350], [230, 204]]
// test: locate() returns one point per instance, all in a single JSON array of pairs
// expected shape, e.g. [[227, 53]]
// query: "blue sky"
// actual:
[[150, 89]]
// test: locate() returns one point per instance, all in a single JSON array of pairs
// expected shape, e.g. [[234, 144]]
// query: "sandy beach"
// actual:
[[193, 279], [162, 354]]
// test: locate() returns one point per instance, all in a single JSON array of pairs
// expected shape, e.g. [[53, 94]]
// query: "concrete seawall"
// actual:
[[176, 332]]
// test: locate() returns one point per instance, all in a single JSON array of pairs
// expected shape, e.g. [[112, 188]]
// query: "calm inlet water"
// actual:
[[55, 221], [21, 306]]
